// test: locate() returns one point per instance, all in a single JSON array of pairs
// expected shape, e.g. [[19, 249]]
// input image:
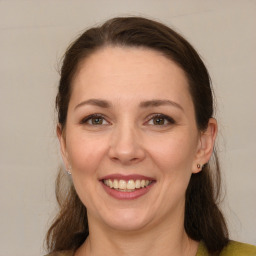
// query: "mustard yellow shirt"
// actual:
[[232, 249]]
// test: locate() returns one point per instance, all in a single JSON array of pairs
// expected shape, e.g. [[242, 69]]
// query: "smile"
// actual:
[[126, 186]]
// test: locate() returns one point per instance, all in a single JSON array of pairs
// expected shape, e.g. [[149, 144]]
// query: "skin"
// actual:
[[128, 140]]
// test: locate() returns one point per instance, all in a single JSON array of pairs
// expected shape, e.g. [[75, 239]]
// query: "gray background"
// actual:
[[34, 35]]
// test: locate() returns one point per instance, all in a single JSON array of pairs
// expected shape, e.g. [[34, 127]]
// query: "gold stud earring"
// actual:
[[198, 166]]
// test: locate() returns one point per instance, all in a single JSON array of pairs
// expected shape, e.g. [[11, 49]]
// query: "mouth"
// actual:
[[127, 186]]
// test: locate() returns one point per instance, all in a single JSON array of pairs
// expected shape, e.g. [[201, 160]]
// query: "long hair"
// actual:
[[203, 219]]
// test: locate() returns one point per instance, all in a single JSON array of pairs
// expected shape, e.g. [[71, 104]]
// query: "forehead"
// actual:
[[129, 72]]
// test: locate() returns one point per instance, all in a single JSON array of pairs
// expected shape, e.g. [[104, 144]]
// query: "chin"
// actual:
[[127, 220]]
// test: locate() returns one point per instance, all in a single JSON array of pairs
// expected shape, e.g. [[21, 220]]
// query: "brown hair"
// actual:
[[203, 219]]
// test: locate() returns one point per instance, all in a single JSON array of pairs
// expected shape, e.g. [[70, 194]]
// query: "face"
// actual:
[[131, 138]]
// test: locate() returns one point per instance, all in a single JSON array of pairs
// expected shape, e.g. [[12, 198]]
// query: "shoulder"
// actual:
[[236, 248], [61, 253]]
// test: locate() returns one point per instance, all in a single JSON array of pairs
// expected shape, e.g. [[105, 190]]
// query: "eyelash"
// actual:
[[169, 119], [90, 117]]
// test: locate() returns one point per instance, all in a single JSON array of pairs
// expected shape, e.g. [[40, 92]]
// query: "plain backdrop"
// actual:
[[34, 35]]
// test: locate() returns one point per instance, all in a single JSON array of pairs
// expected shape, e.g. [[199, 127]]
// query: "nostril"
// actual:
[[128, 160]]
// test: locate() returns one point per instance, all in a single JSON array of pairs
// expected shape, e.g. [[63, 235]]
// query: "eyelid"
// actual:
[[169, 119], [96, 115], [159, 115]]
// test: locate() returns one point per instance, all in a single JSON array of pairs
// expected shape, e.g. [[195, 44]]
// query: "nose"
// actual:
[[126, 145]]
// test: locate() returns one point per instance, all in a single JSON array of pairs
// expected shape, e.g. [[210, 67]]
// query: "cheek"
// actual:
[[85, 153], [175, 151]]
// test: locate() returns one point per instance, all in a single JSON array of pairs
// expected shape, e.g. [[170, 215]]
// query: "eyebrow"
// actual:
[[144, 104], [156, 103], [94, 102]]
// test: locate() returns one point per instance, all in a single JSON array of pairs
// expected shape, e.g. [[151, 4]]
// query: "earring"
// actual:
[[198, 166], [69, 171]]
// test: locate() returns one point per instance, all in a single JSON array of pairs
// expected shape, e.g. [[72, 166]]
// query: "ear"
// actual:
[[62, 140], [205, 145]]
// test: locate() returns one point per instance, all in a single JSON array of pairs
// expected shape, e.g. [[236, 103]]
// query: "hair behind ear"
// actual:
[[203, 218]]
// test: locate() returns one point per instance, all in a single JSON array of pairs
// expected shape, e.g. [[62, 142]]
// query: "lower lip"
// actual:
[[127, 195]]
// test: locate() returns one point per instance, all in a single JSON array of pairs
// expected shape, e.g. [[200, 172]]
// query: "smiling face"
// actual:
[[131, 138]]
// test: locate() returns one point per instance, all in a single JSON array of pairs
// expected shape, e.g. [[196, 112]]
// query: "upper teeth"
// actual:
[[130, 184]]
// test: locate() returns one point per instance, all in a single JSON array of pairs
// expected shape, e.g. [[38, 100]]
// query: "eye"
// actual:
[[95, 119], [160, 120]]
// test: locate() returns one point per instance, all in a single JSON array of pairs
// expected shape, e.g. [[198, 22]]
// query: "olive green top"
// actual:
[[232, 249]]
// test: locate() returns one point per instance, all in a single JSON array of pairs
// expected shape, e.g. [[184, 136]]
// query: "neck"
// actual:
[[168, 239]]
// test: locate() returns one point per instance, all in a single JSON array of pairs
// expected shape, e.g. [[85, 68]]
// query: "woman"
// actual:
[[136, 131]]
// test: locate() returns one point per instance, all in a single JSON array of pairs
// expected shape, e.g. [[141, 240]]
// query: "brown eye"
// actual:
[[161, 120], [158, 121], [95, 119]]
